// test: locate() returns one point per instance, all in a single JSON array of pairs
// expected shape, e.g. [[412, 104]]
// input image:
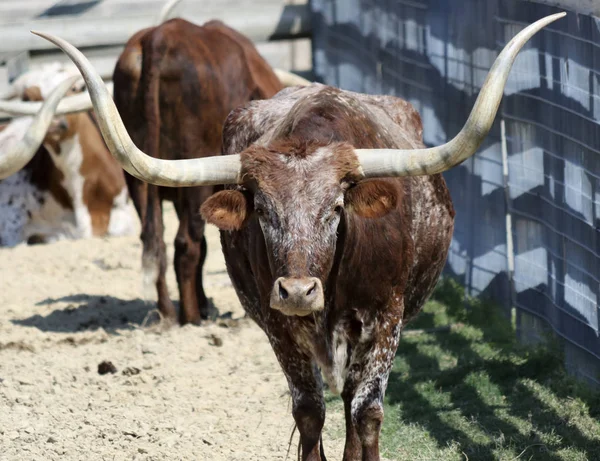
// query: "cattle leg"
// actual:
[[138, 191], [154, 260], [308, 410], [207, 310], [190, 254], [353, 445], [187, 256], [363, 423], [364, 390], [308, 405]]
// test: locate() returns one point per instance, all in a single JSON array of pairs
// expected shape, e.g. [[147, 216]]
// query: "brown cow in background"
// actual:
[[174, 86]]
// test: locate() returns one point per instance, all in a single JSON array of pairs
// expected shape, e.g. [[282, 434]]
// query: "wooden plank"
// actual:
[[113, 22], [286, 54], [292, 55]]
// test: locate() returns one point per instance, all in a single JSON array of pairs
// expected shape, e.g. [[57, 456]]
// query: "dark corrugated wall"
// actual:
[[542, 217]]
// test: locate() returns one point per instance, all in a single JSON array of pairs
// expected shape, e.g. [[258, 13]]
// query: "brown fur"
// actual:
[[103, 176], [378, 257], [174, 86], [372, 198], [228, 210]]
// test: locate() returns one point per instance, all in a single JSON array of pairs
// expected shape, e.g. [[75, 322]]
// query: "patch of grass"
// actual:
[[473, 392]]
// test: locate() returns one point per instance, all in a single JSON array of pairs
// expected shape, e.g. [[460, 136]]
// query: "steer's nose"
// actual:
[[297, 296]]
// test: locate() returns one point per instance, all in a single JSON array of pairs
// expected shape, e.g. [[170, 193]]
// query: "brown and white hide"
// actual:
[[331, 266], [71, 189]]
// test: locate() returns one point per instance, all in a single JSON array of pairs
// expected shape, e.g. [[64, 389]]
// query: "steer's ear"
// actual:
[[228, 210], [372, 198]]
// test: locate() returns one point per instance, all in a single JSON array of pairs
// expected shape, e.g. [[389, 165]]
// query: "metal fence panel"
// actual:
[[436, 54]]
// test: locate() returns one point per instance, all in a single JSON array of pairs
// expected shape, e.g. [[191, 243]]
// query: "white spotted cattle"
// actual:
[[65, 186]]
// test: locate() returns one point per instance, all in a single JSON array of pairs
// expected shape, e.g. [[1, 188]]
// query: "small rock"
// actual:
[[131, 371], [51, 440], [215, 341], [143, 451], [106, 367]]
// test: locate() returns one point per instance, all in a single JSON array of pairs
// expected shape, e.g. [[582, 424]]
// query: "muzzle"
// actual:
[[297, 296]]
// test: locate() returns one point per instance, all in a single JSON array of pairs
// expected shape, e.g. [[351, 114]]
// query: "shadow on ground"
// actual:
[[472, 390], [90, 312]]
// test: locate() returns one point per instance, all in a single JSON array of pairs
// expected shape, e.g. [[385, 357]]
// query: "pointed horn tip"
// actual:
[[46, 36], [554, 17]]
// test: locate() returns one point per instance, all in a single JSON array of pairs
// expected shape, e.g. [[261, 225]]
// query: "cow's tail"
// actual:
[[153, 253]]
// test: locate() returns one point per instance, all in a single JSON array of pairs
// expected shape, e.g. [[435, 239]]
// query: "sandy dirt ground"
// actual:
[[213, 392]]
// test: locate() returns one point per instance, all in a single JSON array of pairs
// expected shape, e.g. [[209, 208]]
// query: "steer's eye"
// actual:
[[260, 211], [338, 209]]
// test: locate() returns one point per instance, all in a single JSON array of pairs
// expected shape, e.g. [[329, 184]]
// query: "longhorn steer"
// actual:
[[327, 255], [174, 86]]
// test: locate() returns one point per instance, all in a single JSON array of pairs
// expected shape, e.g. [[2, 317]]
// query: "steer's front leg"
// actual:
[[308, 405], [365, 385]]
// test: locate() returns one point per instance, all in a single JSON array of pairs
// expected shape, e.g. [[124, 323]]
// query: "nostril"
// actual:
[[283, 294], [312, 289]]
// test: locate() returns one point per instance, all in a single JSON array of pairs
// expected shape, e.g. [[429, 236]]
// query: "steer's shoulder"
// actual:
[[395, 120], [402, 114]]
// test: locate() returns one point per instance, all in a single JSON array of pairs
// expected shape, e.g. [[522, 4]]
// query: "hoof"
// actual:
[[210, 311]]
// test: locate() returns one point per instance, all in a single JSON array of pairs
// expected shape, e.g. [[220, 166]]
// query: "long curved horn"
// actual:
[[17, 156], [399, 162], [71, 104], [165, 11], [289, 79], [175, 173]]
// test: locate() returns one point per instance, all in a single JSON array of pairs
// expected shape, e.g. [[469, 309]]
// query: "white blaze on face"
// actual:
[[69, 161]]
